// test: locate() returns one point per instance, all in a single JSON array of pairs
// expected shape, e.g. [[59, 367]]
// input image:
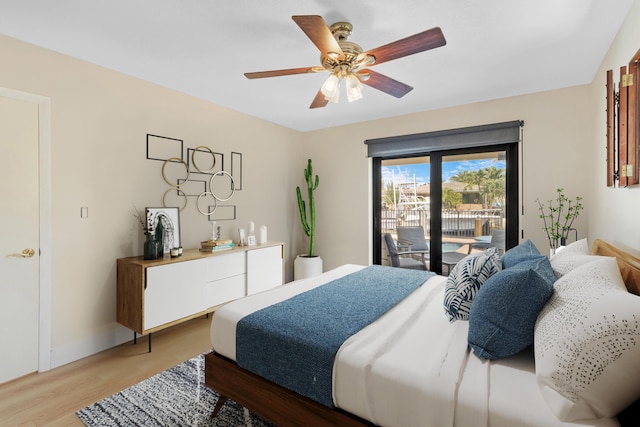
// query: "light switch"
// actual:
[[84, 212]]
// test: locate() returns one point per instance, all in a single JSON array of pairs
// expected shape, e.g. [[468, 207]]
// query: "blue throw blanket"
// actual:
[[293, 343]]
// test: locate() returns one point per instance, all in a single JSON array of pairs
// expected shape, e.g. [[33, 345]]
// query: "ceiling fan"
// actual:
[[346, 60]]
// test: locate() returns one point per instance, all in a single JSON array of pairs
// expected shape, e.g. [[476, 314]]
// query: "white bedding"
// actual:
[[412, 367]]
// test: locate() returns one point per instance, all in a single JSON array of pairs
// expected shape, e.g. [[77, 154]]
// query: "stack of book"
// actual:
[[216, 245]]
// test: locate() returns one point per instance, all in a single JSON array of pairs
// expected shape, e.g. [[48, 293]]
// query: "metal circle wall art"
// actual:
[[180, 193], [233, 188], [203, 148], [175, 160], [215, 205], [220, 185]]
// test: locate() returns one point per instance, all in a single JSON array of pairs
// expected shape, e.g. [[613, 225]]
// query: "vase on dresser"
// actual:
[[151, 247]]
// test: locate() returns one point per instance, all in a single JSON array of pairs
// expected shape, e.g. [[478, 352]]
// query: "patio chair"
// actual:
[[450, 259], [411, 240], [399, 258], [498, 239]]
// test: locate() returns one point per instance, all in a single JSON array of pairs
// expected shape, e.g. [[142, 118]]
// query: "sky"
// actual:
[[449, 169]]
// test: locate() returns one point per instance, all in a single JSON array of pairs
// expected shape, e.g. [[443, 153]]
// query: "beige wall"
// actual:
[[563, 146], [100, 119], [613, 214], [555, 145]]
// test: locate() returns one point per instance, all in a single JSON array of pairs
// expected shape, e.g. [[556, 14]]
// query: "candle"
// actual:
[[242, 237], [262, 237]]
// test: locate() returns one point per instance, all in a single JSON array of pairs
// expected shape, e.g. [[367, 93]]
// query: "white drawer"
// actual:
[[226, 265], [221, 291]]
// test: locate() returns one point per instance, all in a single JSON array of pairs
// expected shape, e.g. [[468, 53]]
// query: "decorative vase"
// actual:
[[554, 251], [151, 247], [305, 266]]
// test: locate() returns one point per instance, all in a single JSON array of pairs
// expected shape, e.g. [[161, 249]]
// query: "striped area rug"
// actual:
[[175, 397]]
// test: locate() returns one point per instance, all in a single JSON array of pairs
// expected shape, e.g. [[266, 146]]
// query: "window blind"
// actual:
[[450, 139]]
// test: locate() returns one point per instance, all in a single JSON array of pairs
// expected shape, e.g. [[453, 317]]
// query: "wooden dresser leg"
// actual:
[[221, 401]]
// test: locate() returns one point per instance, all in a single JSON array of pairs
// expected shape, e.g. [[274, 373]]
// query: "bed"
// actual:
[[413, 365]]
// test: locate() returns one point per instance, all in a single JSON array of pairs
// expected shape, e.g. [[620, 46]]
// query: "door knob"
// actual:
[[26, 253]]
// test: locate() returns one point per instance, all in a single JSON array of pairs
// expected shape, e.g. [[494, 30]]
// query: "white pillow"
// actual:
[[570, 257], [580, 247], [587, 344]]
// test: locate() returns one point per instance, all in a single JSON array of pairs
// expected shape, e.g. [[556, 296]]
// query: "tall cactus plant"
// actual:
[[309, 225]]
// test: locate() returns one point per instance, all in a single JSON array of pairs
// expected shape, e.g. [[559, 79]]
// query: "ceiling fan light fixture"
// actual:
[[331, 88], [344, 59], [354, 87], [365, 60]]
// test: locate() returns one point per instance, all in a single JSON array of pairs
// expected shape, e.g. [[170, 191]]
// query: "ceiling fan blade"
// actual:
[[385, 84], [319, 101], [287, 72], [416, 43], [317, 30]]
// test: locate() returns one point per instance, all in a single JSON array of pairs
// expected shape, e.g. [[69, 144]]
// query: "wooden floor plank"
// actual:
[[51, 398]]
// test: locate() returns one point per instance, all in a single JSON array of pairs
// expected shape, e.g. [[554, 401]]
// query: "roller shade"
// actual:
[[469, 137]]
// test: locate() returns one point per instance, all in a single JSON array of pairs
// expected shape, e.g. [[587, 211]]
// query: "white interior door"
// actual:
[[19, 245]]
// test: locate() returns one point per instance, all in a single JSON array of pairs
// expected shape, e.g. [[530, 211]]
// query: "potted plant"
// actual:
[[558, 218], [309, 264]]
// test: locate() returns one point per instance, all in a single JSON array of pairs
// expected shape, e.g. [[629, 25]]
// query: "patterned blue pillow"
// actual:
[[504, 312], [524, 251], [465, 280]]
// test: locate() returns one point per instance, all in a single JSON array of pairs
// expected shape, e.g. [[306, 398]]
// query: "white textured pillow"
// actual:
[[587, 344], [570, 257], [580, 247]]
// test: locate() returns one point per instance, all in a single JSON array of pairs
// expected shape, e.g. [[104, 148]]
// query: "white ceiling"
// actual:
[[495, 48]]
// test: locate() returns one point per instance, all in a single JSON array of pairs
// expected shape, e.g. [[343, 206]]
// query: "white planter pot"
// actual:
[[305, 266]]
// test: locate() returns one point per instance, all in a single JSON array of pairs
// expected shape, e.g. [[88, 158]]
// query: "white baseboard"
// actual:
[[104, 340]]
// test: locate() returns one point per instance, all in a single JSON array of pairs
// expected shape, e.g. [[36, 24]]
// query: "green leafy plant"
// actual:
[[309, 225], [558, 217]]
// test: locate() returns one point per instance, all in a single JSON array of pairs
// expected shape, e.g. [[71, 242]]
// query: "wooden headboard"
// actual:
[[629, 265]]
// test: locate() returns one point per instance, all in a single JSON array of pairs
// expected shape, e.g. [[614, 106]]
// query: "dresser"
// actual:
[[155, 294]]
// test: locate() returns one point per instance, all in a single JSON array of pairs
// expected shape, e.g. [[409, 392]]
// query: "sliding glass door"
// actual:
[[464, 201], [473, 199]]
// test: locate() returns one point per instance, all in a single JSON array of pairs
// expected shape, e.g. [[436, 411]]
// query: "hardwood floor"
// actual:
[[51, 398]]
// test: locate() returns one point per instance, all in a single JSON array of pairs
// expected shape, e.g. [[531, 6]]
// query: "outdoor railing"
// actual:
[[468, 223]]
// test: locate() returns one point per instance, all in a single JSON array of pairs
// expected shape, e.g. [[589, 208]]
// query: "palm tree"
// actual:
[[466, 177], [489, 181], [388, 196], [494, 186], [450, 198]]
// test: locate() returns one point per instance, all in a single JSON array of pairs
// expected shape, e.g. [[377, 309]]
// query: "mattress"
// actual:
[[412, 367]]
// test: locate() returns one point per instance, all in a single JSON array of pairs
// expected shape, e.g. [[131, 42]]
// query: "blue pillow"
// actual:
[[504, 312], [523, 252], [541, 265]]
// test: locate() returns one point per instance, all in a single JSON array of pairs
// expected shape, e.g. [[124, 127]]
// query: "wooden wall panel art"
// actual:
[[623, 125]]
